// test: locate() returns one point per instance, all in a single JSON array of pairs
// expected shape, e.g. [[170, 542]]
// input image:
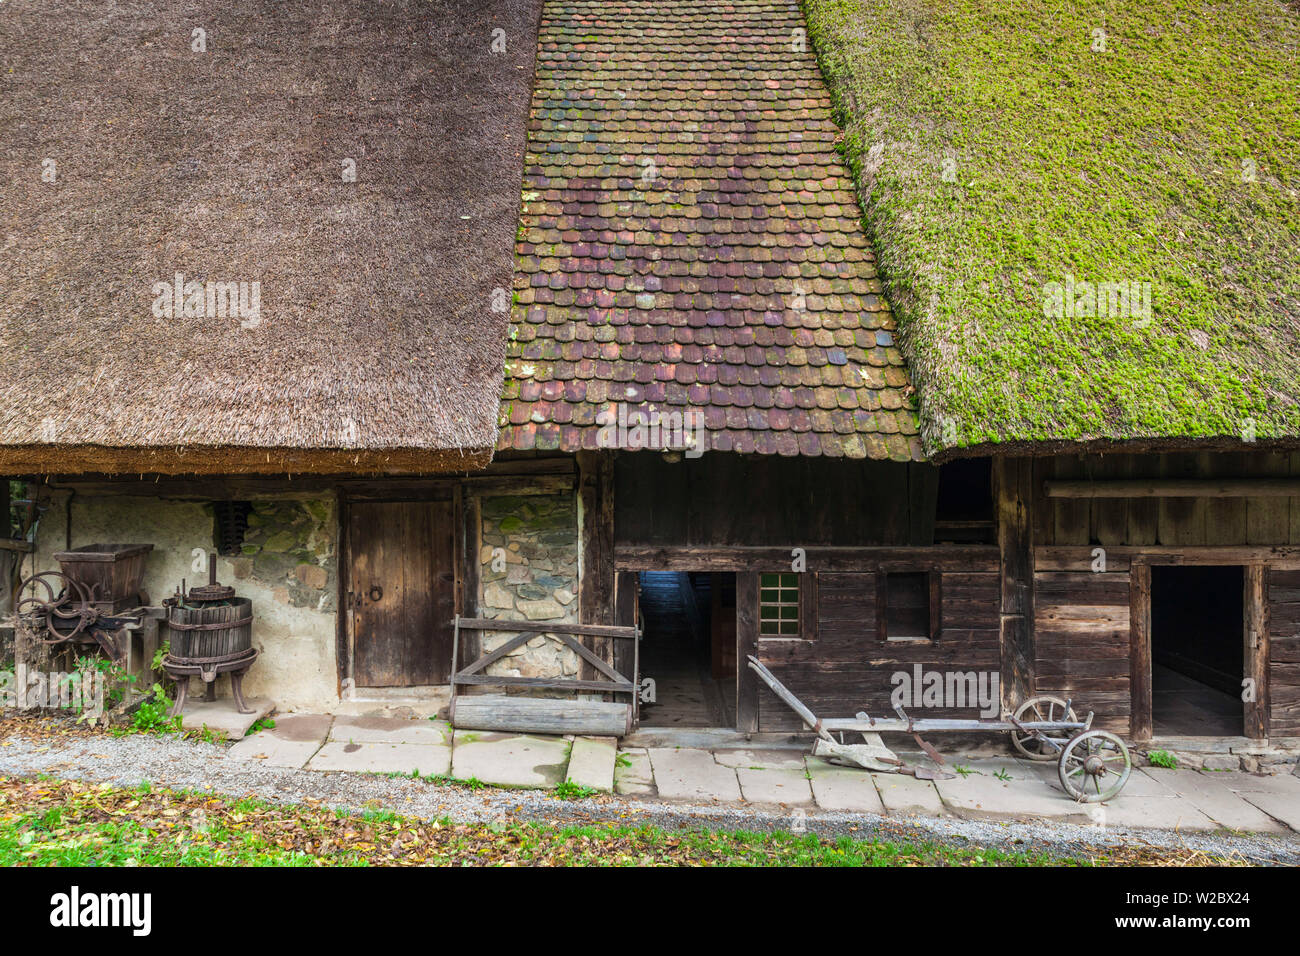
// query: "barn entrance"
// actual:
[[1197, 662], [688, 648]]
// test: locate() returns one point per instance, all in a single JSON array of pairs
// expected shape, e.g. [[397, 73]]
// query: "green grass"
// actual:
[[49, 822], [997, 151]]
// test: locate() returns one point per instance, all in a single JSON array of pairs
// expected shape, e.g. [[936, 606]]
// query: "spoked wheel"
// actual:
[[56, 605], [1094, 766], [1044, 744]]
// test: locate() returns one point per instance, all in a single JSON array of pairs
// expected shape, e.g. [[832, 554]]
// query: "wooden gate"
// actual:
[[401, 597]]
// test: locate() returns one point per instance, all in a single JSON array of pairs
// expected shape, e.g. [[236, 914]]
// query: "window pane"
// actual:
[[778, 604], [907, 606]]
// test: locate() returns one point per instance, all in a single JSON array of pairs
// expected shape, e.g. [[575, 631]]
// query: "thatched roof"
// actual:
[[690, 246], [1024, 165], [378, 347]]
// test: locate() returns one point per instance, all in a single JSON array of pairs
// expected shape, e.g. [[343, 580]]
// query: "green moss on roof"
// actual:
[[1002, 145]]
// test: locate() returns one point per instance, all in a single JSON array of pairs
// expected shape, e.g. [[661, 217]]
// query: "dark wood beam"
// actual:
[[743, 558], [1141, 723], [1174, 488], [1012, 495]]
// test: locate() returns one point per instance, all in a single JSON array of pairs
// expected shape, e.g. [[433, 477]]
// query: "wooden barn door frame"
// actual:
[[1255, 637], [746, 716], [378, 493]]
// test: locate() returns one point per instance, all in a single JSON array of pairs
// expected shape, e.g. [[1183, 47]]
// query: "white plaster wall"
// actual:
[[297, 664]]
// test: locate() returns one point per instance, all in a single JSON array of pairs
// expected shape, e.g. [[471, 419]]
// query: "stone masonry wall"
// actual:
[[529, 570]]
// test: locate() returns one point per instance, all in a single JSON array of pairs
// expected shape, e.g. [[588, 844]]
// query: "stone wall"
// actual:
[[288, 569], [529, 570]]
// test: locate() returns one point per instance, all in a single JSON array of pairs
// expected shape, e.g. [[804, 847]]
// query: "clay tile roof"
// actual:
[[380, 343], [690, 238]]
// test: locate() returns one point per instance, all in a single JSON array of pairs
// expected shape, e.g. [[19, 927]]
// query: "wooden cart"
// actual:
[[1093, 764]]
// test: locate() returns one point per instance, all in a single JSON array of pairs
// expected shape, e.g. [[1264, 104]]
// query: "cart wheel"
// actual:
[[1046, 744], [1094, 766]]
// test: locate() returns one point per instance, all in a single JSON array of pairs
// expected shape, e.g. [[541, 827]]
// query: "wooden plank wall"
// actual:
[[845, 668], [720, 499], [1081, 624], [1167, 521], [1284, 653]]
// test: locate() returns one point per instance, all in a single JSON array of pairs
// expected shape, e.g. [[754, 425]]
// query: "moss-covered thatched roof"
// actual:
[[1010, 151], [361, 162]]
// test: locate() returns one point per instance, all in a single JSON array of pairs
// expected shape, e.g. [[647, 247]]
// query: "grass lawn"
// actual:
[[48, 822], [1004, 145]]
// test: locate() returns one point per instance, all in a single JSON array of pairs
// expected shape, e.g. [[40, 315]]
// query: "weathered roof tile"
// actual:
[[685, 208]]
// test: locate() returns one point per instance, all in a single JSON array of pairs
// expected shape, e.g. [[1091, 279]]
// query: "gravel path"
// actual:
[[188, 764]]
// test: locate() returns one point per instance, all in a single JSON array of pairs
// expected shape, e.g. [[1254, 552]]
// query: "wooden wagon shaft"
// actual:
[[919, 725]]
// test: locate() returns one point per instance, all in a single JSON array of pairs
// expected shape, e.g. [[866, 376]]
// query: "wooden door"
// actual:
[[401, 592]]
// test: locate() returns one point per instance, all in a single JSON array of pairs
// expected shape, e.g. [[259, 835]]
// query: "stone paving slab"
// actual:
[[1169, 813], [425, 759], [591, 762], [390, 730], [1021, 792], [843, 788], [220, 716], [509, 760], [693, 775], [760, 759], [293, 741], [1282, 806], [779, 786], [633, 776], [1212, 794], [1280, 783], [906, 795]]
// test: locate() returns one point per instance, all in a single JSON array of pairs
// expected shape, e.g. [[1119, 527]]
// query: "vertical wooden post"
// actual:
[[343, 600], [1256, 655], [1141, 726], [596, 560], [1013, 492], [746, 644]]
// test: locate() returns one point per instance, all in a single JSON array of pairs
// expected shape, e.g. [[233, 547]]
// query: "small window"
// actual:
[[778, 605], [908, 606], [230, 522]]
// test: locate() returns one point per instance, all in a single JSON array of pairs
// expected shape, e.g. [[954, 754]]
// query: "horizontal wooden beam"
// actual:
[[546, 683], [543, 627], [1174, 488], [15, 544], [630, 557], [520, 485], [1122, 557]]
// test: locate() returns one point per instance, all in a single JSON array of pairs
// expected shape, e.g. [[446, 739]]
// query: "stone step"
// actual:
[[591, 762]]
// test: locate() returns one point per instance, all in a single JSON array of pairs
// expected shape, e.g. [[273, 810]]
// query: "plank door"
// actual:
[[401, 592]]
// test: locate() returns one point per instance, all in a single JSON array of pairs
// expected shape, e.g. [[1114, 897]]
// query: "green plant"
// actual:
[[623, 761], [573, 791], [1163, 758], [151, 716], [266, 723], [964, 771], [164, 649], [207, 735], [1002, 774]]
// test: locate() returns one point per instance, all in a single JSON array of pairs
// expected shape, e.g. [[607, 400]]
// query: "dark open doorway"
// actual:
[[1197, 651], [688, 648]]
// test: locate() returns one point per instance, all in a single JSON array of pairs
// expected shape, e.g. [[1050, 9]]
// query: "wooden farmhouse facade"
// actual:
[[705, 428]]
